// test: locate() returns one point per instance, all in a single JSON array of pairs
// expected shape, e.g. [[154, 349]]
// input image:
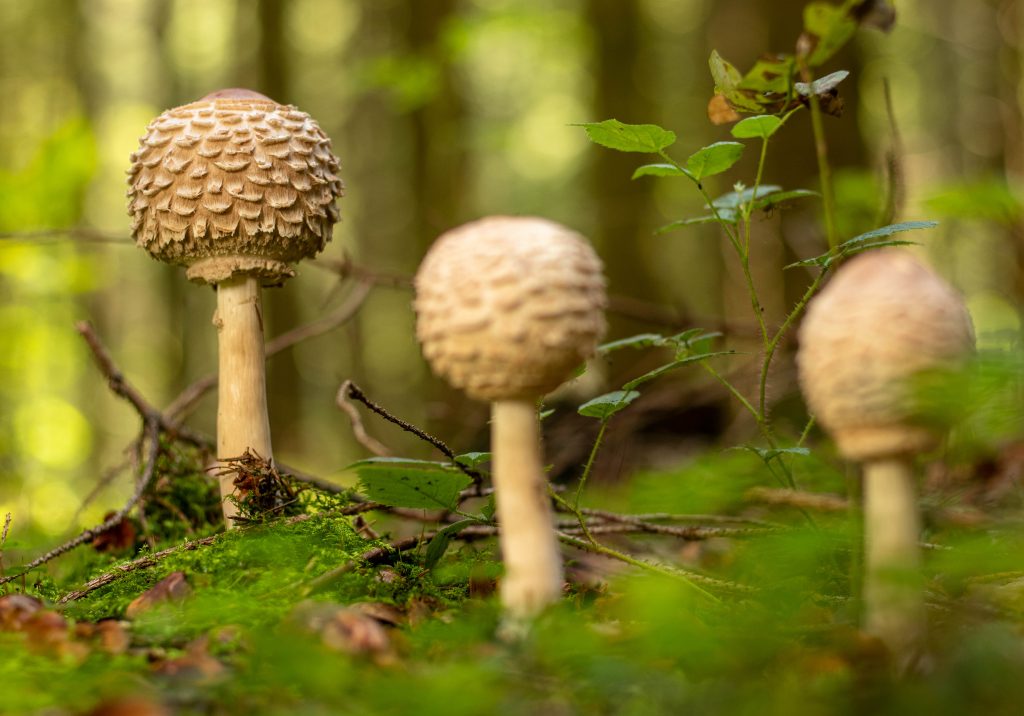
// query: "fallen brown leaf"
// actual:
[[172, 588]]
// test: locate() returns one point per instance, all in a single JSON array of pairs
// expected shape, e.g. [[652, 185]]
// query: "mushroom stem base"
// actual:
[[529, 547], [242, 422], [893, 596]]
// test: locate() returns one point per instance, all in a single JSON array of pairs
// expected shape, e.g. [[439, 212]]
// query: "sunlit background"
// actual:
[[441, 112]]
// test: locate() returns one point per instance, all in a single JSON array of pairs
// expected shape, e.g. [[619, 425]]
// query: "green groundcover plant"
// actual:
[[727, 584]]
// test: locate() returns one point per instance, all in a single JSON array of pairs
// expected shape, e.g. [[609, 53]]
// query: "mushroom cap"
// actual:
[[507, 307], [233, 183], [882, 319]]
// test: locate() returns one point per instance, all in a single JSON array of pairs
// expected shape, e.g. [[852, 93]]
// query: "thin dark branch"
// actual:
[[122, 388], [358, 429], [356, 393]]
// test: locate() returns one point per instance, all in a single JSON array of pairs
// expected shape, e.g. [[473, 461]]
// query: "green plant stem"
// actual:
[[773, 344], [590, 464], [682, 575], [575, 512], [824, 170]]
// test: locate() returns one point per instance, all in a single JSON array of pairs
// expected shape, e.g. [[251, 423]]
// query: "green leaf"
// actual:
[[658, 170], [651, 375], [489, 508], [420, 484], [643, 340], [727, 83], [605, 406], [439, 544], [713, 159], [890, 230], [545, 414], [781, 197], [827, 28], [734, 199], [681, 223], [768, 454], [762, 125], [770, 76], [866, 242], [986, 199], [472, 459], [643, 138]]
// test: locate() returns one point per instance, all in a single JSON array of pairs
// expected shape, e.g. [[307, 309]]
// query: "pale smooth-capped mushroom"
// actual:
[[507, 308], [884, 319], [236, 188]]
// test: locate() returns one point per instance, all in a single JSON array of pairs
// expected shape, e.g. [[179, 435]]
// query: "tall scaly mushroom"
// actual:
[[236, 187], [507, 308], [882, 320]]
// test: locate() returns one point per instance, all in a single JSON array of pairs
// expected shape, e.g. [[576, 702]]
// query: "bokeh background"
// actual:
[[441, 112]]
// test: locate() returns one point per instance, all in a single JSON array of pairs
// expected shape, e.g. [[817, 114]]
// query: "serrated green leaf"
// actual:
[[651, 375], [713, 159], [681, 223], [866, 242], [642, 138], [781, 197], [642, 340], [472, 459], [890, 230], [762, 126], [605, 406], [658, 170], [420, 484], [768, 454], [441, 541]]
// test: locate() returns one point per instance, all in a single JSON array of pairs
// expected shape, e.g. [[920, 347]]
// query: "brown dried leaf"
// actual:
[[345, 629], [172, 588], [720, 111], [15, 610], [116, 539], [195, 664]]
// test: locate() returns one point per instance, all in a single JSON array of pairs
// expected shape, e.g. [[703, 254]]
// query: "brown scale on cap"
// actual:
[[507, 307], [882, 319], [233, 183]]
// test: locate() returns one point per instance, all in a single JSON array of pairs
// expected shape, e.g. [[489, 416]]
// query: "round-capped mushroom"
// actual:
[[507, 308], [236, 188], [884, 319]]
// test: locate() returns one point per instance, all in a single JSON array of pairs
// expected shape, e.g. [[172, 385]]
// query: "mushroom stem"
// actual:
[[894, 607], [242, 422], [529, 547]]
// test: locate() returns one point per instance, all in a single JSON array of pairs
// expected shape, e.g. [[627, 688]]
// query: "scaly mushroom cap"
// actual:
[[507, 307], [233, 183], [882, 319]]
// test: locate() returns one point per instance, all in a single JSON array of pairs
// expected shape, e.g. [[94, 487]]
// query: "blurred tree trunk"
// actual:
[[280, 306], [440, 184], [622, 207]]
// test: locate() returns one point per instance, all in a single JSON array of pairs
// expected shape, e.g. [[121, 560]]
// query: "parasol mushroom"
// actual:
[[507, 308], [883, 319], [235, 187]]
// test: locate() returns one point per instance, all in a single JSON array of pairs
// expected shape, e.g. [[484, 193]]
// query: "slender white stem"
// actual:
[[529, 547], [242, 422], [893, 596]]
